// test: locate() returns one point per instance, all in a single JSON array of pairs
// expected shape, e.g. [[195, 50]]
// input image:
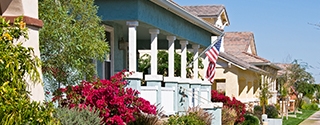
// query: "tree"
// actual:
[[284, 89], [72, 36], [299, 79], [17, 64], [266, 80]]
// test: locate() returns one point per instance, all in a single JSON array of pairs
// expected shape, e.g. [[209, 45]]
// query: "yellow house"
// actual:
[[240, 71]]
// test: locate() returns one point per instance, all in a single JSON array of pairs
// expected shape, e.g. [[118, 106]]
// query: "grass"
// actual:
[[300, 117]]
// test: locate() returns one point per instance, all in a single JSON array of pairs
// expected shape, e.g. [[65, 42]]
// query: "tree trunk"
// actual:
[[263, 109], [282, 107], [287, 100]]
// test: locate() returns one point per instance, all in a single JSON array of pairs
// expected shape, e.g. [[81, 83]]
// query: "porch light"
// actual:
[[122, 45]]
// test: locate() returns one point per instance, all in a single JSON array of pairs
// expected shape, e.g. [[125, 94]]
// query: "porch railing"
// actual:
[[176, 96]]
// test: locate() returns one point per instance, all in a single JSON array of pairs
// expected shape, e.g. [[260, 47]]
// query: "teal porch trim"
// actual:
[[153, 16]]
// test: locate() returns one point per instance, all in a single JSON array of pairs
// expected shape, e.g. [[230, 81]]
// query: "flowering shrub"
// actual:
[[233, 103], [17, 64], [117, 104]]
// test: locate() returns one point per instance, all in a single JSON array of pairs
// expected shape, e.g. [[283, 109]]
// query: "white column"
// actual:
[[184, 50], [132, 45], [205, 63], [154, 50], [171, 40], [195, 48]]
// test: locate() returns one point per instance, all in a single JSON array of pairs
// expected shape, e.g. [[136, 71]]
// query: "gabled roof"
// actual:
[[205, 10], [237, 42], [209, 12]]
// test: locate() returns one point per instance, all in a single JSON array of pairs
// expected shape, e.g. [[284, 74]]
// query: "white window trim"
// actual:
[[111, 30]]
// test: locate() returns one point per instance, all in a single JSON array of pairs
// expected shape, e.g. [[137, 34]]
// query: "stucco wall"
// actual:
[[27, 8], [37, 92], [242, 84], [232, 86]]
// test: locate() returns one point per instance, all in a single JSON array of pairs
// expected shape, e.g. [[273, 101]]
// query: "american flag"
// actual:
[[213, 54]]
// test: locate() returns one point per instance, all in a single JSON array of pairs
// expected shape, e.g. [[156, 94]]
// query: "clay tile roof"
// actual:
[[283, 67], [237, 41], [205, 10], [253, 58], [239, 62]]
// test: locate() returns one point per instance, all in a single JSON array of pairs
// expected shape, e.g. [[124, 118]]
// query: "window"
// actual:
[[105, 68]]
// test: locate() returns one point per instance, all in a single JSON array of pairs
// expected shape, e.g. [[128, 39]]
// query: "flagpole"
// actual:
[[214, 42]]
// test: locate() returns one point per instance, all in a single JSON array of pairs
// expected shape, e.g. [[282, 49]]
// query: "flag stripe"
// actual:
[[213, 54]]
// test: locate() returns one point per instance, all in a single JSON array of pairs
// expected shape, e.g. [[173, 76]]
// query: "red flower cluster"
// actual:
[[117, 105], [231, 103]]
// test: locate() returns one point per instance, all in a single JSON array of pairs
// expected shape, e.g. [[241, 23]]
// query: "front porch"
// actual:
[[135, 25]]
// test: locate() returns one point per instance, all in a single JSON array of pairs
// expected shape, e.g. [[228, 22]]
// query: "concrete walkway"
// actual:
[[312, 120]]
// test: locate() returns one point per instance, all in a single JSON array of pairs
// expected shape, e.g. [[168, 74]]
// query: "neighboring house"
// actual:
[[240, 71], [215, 15], [292, 93], [28, 9]]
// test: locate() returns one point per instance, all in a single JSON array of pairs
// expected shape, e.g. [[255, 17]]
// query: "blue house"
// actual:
[[133, 25]]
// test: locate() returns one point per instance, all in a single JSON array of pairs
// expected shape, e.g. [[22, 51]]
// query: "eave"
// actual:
[[170, 6], [266, 64]]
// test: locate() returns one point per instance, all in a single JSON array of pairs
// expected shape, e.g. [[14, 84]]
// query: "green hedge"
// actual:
[[311, 106], [251, 120]]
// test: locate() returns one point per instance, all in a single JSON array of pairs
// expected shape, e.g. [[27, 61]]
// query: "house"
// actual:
[[11, 9], [215, 15], [153, 25], [240, 71], [292, 93], [133, 25]]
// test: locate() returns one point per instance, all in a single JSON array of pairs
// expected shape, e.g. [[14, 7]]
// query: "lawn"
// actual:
[[300, 117]]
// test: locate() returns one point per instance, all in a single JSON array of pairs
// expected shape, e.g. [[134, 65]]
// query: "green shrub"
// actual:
[[271, 111], [257, 111], [311, 106], [251, 120], [17, 109], [229, 116], [189, 119], [194, 116], [77, 116], [17, 64]]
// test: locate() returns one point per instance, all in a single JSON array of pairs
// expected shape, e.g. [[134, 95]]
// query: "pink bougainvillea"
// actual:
[[233, 103], [117, 105]]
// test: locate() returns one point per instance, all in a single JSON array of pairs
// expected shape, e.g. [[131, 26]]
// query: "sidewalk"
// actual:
[[312, 120]]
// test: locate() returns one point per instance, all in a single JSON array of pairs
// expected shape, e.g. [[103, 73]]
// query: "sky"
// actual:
[[282, 28]]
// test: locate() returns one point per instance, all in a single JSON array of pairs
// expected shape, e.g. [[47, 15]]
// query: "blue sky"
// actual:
[[280, 28]]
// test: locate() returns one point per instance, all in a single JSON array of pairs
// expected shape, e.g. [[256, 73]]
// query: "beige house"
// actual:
[[240, 71], [28, 9]]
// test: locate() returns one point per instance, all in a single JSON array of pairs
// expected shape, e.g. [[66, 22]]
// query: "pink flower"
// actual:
[[116, 104]]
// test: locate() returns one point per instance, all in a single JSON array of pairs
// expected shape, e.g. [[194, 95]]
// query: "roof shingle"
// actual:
[[237, 42], [205, 10]]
